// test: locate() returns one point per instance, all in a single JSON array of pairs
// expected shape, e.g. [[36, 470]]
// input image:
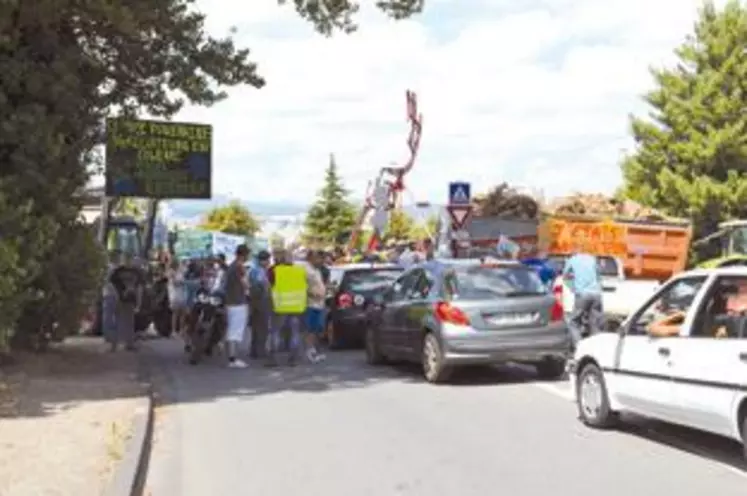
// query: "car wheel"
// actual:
[[551, 368], [592, 399], [434, 369], [373, 352], [744, 440]]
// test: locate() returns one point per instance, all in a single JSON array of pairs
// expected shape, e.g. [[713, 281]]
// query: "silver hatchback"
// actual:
[[449, 313]]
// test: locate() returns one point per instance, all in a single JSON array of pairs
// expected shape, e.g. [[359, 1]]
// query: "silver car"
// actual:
[[448, 313]]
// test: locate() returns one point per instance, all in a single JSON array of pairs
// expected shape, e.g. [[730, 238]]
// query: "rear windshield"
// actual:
[[481, 282], [364, 281], [607, 265]]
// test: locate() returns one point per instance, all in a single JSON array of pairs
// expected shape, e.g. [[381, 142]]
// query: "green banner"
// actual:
[[151, 159], [193, 244]]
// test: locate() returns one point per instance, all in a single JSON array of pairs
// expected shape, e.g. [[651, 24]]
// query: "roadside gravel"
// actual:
[[65, 417]]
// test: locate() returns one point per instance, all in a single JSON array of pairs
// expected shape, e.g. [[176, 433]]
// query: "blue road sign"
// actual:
[[460, 193]]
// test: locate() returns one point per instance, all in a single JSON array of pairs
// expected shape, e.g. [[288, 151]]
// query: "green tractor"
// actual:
[[733, 237]]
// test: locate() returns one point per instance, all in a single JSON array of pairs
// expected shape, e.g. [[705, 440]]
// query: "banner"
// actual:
[[151, 159], [193, 244], [226, 244], [596, 238]]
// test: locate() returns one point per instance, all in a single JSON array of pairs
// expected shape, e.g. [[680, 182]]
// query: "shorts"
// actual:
[[315, 320], [237, 320]]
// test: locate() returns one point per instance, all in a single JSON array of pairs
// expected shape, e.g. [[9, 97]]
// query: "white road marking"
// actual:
[[562, 390]]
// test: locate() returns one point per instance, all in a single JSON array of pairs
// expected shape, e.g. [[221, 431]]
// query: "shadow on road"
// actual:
[[76, 371], [690, 441], [179, 382]]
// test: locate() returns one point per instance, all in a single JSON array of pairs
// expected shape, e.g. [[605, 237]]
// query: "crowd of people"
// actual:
[[276, 300]]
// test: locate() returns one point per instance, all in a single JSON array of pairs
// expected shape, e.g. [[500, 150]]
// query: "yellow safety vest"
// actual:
[[290, 290]]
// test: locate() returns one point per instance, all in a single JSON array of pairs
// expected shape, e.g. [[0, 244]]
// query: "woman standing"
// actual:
[[177, 295]]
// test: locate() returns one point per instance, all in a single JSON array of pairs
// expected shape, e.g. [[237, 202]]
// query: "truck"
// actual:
[[620, 295], [631, 264]]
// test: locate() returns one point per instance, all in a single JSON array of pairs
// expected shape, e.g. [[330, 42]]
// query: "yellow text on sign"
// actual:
[[596, 238]]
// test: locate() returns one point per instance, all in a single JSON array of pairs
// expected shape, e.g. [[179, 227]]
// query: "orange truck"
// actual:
[[648, 249]]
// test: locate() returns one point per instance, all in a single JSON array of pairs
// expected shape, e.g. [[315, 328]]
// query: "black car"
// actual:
[[351, 291]]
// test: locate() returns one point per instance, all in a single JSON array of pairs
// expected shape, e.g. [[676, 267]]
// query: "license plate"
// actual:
[[513, 319]]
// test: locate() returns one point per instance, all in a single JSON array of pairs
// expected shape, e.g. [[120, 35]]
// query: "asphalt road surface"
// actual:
[[344, 428]]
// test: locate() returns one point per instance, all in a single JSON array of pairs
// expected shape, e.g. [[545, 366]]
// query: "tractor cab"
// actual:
[[733, 237], [124, 236]]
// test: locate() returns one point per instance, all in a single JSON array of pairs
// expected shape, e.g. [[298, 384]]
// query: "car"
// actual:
[[620, 296], [352, 288], [681, 358], [445, 314]]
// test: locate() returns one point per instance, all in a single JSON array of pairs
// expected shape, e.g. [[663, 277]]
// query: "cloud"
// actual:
[[536, 95]]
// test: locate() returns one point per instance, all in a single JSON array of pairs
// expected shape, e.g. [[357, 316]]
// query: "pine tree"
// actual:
[[691, 156], [332, 216]]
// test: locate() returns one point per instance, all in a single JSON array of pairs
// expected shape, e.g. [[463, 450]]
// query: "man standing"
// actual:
[[237, 305], [289, 287], [581, 274], [317, 292], [128, 283], [260, 304]]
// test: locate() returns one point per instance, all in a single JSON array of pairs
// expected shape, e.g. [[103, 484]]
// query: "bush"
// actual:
[[65, 290]]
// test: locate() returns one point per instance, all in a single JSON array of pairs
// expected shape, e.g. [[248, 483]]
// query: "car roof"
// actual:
[[367, 266], [470, 262], [719, 271]]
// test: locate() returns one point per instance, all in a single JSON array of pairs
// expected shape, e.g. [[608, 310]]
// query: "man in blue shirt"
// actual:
[[581, 274]]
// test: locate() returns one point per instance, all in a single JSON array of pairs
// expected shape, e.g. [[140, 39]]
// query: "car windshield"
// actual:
[[484, 282], [607, 265], [366, 281]]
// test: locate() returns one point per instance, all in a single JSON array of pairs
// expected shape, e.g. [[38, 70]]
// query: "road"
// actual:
[[344, 428]]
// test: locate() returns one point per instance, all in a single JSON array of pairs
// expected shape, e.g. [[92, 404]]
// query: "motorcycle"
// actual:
[[161, 311], [207, 325]]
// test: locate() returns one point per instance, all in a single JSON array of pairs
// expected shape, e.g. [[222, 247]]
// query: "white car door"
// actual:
[[641, 380], [709, 373]]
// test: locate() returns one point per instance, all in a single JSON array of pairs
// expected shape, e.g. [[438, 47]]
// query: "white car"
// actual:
[[696, 377], [620, 296]]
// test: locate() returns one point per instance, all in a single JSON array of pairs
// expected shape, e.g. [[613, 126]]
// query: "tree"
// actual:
[[332, 215], [233, 218], [426, 229], [276, 241], [329, 16], [400, 226], [67, 65], [691, 154]]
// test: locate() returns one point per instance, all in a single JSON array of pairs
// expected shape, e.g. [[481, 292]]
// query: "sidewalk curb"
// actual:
[[131, 471]]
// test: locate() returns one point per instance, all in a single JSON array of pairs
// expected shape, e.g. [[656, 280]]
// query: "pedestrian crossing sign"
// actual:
[[459, 193]]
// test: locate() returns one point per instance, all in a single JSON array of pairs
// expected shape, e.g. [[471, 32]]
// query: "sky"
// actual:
[[536, 93]]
